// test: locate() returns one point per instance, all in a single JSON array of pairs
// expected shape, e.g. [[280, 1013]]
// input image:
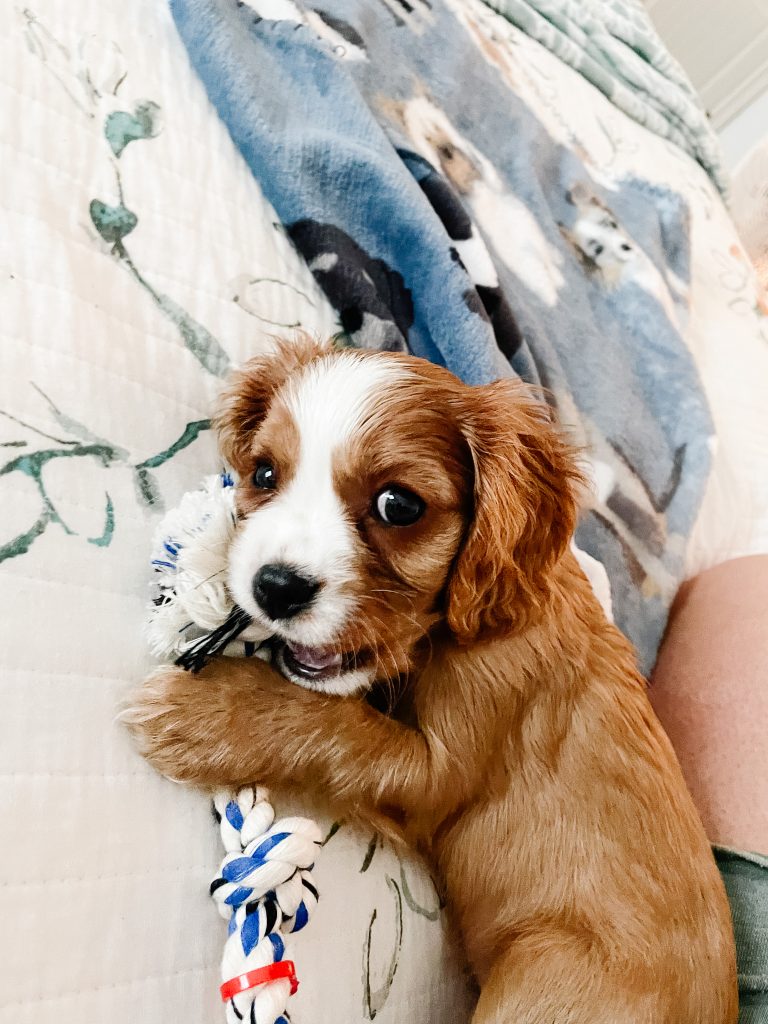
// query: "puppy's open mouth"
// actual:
[[317, 663]]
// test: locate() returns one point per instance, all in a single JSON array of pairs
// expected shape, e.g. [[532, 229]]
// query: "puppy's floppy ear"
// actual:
[[526, 480], [247, 395]]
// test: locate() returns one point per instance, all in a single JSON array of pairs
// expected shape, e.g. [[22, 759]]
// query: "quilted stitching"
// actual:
[[82, 809], [124, 901]]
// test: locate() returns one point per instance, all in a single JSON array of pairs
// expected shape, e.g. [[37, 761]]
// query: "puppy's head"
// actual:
[[378, 496]]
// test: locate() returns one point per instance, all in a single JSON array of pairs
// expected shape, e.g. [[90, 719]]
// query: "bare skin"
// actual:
[[710, 691]]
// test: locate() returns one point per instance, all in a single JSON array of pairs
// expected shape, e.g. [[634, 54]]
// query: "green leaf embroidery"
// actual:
[[198, 339], [332, 831], [200, 342], [121, 128], [21, 544], [374, 999], [109, 526], [78, 429], [375, 841], [190, 433], [431, 915], [146, 488], [112, 222], [32, 464]]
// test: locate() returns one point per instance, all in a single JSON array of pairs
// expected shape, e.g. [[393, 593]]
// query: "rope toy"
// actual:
[[264, 887], [193, 615]]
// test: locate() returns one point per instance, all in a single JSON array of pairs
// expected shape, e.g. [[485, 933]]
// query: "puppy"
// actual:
[[398, 527]]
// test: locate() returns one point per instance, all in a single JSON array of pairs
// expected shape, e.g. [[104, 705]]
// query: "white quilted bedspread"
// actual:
[[138, 259], [105, 866]]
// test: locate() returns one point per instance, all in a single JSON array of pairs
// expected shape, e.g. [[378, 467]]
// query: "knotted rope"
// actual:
[[193, 615], [265, 890], [264, 887]]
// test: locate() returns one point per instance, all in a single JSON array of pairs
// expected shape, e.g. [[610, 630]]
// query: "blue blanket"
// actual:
[[439, 215]]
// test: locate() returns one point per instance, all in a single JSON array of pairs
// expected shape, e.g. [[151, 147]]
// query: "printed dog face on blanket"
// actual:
[[597, 236], [373, 489]]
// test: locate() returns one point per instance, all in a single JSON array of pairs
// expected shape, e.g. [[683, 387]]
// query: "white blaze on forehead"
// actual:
[[305, 525], [332, 398]]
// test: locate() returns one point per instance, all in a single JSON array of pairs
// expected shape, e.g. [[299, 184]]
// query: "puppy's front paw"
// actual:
[[180, 726]]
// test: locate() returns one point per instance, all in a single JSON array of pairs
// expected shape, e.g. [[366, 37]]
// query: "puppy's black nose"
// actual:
[[281, 592]]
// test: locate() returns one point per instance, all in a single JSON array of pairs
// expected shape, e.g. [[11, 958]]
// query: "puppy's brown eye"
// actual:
[[265, 477], [396, 506]]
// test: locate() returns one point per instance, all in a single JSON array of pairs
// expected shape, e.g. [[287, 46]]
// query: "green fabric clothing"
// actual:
[[746, 882]]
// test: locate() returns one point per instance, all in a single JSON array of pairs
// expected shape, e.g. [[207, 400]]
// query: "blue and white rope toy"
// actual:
[[193, 615], [264, 887]]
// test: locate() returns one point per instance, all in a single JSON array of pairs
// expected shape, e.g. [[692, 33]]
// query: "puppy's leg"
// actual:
[[239, 721], [563, 979]]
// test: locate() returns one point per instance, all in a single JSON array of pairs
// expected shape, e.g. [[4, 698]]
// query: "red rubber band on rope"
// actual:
[[272, 972]]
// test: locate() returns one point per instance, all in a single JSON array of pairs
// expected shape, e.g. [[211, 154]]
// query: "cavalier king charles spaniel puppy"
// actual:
[[400, 531]]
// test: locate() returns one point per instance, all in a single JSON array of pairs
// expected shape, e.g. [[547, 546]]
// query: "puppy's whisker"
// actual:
[[422, 631], [398, 594], [393, 657], [386, 682]]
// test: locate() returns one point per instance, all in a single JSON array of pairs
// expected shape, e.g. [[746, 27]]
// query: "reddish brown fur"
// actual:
[[534, 777]]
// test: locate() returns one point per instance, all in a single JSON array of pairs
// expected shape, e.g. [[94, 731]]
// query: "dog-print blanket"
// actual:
[[440, 215], [614, 45]]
